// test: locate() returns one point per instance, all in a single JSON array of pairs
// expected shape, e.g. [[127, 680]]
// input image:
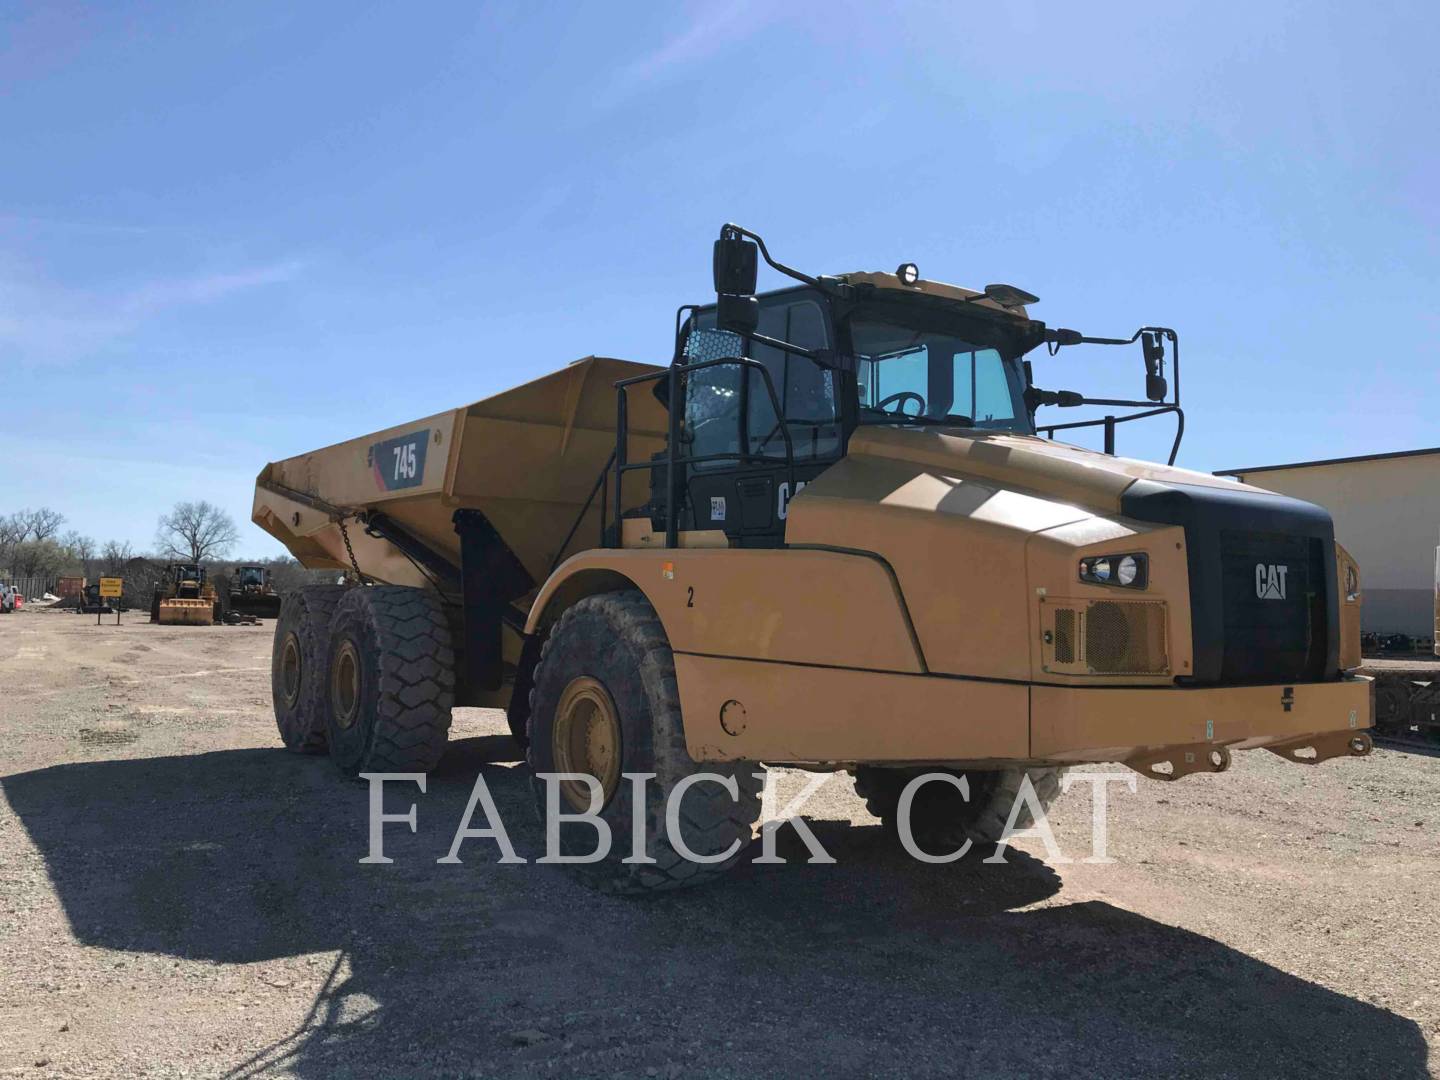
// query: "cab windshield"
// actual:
[[908, 374]]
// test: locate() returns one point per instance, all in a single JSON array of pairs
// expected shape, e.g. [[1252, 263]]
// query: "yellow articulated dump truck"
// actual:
[[830, 534]]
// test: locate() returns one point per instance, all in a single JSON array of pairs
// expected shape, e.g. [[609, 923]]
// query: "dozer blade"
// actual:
[[179, 612], [261, 607]]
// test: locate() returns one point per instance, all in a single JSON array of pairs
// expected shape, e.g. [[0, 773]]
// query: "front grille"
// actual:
[[1273, 607], [1105, 637]]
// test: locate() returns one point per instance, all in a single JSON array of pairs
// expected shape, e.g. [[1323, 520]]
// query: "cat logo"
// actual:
[[1270, 581]]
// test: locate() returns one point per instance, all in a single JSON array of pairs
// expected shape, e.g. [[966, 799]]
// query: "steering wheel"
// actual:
[[901, 397]]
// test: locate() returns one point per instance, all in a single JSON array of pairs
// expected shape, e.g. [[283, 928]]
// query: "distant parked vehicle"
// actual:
[[92, 603], [251, 593]]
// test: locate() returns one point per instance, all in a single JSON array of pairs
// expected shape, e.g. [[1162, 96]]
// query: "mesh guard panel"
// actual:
[[1105, 637], [1065, 635]]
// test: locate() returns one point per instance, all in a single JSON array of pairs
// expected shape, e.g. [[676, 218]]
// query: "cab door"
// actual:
[[729, 410]]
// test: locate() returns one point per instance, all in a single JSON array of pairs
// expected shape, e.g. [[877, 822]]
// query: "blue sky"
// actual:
[[233, 233]]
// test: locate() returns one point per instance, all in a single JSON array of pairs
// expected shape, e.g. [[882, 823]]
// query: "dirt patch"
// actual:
[[107, 736]]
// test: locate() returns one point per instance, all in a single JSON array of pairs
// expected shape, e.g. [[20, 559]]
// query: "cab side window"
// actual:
[[808, 392], [711, 424]]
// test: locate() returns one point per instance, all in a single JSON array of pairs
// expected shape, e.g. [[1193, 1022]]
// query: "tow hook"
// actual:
[[1313, 749], [1173, 762]]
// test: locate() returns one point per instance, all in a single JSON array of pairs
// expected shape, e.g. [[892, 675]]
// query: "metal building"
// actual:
[[1387, 514]]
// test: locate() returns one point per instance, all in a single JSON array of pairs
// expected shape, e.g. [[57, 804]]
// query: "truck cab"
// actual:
[[867, 351]]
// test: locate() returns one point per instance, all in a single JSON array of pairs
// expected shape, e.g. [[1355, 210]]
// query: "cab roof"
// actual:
[[881, 280]]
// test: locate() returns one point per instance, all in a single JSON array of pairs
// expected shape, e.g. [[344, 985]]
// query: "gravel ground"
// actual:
[[180, 897]]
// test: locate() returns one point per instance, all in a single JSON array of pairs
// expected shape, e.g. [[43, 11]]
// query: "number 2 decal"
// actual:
[[690, 596]]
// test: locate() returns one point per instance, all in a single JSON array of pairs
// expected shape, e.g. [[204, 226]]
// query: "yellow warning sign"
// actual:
[[111, 587]]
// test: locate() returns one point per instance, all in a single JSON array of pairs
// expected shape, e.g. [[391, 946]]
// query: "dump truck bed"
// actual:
[[527, 458]]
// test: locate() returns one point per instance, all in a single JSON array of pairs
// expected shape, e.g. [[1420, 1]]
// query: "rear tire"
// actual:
[[297, 666], [608, 657], [390, 681], [941, 820]]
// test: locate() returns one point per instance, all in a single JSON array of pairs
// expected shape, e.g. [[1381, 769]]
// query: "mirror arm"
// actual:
[[1066, 399], [1057, 337], [784, 346], [732, 230]]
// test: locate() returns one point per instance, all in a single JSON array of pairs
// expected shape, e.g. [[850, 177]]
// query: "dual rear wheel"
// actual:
[[367, 673]]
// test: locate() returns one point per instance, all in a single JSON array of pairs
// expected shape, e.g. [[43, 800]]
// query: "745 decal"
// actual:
[[400, 462]]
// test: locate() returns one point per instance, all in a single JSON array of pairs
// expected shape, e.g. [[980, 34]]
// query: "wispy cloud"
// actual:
[[712, 27], [42, 321], [207, 288]]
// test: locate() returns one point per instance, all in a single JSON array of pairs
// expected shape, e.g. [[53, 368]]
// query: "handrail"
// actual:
[[1109, 422]]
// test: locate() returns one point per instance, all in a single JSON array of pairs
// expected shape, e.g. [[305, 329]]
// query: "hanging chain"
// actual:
[[345, 535]]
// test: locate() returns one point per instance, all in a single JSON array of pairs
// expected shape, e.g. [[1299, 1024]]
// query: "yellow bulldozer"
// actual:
[[184, 597], [836, 532]]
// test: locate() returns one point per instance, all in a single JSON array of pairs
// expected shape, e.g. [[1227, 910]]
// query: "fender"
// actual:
[[799, 605]]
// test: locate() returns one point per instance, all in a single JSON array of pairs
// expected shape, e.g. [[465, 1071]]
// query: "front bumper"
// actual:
[[1069, 724]]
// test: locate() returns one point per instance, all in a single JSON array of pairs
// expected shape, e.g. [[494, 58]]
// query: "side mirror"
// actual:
[[739, 314], [736, 262], [1155, 385]]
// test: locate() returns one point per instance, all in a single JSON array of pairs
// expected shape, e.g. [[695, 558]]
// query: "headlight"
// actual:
[[1132, 571]]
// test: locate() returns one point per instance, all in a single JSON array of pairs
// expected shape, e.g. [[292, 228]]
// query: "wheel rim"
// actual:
[[345, 685], [290, 670], [586, 739]]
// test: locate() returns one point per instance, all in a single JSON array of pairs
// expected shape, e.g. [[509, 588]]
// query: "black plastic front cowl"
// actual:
[[1262, 584]]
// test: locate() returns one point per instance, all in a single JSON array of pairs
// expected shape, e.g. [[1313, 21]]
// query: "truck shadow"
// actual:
[[875, 965]]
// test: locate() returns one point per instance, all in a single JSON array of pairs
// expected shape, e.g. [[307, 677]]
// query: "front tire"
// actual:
[[605, 702], [390, 681], [941, 820], [297, 666]]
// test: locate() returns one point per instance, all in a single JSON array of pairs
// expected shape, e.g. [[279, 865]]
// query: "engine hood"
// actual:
[[980, 527], [1058, 471]]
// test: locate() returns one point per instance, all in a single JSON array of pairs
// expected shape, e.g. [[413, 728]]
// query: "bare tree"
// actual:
[[82, 549], [35, 526], [196, 531], [12, 532], [38, 558], [116, 555], [41, 524]]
